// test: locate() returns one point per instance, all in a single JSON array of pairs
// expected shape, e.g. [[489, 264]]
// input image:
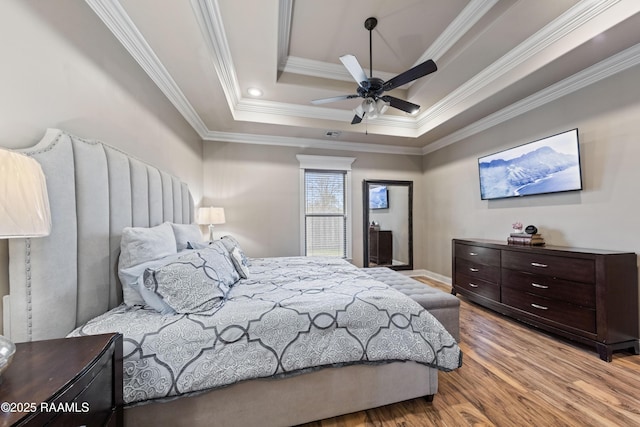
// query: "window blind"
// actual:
[[325, 213]]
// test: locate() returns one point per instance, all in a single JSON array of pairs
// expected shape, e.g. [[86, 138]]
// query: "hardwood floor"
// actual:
[[515, 375]]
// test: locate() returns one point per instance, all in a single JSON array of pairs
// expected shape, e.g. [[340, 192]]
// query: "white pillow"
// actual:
[[139, 245], [185, 233]]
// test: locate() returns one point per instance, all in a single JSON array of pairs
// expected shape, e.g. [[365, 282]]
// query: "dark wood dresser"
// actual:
[[586, 295], [380, 246], [64, 382]]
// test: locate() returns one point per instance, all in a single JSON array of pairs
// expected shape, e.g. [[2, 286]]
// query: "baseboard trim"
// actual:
[[429, 274]]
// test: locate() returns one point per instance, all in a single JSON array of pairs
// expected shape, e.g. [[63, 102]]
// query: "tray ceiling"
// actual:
[[496, 59]]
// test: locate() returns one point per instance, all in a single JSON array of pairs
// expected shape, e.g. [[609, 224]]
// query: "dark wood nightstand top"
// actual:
[[78, 379]]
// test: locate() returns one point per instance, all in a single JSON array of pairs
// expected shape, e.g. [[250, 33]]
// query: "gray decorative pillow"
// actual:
[[185, 233], [240, 262], [139, 245], [198, 245], [230, 242], [134, 277], [195, 282]]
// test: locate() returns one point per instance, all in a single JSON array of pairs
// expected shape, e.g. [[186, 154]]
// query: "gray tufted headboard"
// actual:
[[59, 282]]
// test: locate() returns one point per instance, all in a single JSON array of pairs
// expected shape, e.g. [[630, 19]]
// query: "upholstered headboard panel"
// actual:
[[59, 282]]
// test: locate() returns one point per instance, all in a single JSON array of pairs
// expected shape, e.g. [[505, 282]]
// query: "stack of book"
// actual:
[[525, 239]]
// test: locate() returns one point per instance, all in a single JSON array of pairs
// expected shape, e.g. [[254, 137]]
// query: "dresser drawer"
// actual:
[[478, 254], [477, 286], [574, 269], [478, 271], [582, 294], [558, 311]]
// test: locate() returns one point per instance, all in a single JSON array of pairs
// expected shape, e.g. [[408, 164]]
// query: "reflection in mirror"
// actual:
[[388, 224]]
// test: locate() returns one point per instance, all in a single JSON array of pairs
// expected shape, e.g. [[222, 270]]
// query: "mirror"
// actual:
[[388, 224]]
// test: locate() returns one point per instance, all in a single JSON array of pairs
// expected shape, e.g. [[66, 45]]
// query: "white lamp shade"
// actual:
[[24, 203], [211, 215]]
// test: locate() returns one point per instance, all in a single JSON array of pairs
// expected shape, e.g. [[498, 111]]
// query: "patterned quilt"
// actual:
[[291, 315]]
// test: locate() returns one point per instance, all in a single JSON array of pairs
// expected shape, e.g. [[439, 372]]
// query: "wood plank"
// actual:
[[516, 375]]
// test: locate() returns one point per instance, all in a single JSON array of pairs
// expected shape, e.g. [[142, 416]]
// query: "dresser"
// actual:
[[380, 246], [64, 382], [586, 295]]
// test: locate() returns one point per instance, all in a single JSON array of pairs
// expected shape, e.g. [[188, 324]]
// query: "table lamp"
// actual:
[[24, 212], [211, 216]]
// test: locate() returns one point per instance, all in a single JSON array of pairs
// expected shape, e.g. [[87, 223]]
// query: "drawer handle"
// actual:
[[537, 264], [537, 285], [473, 254], [540, 307], [473, 285], [474, 270]]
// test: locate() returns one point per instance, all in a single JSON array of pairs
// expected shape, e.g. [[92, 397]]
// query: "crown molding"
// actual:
[[285, 141], [560, 27], [207, 13], [285, 15], [471, 14], [270, 111], [325, 70], [603, 69], [116, 19], [475, 10]]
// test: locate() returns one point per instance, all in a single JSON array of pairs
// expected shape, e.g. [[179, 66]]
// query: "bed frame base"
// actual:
[[295, 400]]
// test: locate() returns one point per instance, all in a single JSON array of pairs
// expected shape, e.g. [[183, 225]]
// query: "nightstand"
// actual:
[[66, 381]]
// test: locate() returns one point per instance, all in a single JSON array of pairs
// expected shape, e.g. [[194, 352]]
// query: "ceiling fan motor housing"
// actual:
[[371, 88]]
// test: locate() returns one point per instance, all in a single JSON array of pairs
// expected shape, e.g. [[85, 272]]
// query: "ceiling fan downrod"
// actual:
[[370, 24]]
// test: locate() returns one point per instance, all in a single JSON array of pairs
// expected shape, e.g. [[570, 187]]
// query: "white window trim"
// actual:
[[327, 163]]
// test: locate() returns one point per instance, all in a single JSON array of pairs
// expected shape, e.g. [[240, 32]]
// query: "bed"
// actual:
[[68, 283]]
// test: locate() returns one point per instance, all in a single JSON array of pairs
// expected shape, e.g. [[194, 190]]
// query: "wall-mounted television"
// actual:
[[378, 197], [548, 165]]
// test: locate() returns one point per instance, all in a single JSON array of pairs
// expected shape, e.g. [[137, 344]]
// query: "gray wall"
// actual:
[[259, 188], [603, 215], [62, 68]]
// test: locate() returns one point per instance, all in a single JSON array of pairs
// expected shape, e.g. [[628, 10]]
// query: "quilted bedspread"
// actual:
[[292, 314]]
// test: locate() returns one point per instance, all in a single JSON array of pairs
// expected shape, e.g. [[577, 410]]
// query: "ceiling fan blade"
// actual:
[[401, 104], [333, 99], [353, 66], [420, 70], [356, 119]]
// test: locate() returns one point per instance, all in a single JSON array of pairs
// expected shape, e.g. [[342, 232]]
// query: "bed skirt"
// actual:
[[289, 401]]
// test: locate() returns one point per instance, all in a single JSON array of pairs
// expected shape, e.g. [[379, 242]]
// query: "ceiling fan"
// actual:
[[372, 88]]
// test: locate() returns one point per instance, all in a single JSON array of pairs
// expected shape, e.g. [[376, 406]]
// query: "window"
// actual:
[[325, 215], [325, 205]]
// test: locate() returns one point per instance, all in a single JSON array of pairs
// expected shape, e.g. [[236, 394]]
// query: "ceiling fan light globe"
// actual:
[[369, 105], [382, 106], [359, 111]]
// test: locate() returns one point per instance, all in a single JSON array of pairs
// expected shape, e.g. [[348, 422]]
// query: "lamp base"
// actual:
[[7, 350], [211, 232]]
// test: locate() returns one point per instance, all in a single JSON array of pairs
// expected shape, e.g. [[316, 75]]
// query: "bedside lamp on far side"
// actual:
[[211, 216], [24, 212]]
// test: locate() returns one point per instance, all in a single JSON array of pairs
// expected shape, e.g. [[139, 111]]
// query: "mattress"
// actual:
[[291, 315]]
